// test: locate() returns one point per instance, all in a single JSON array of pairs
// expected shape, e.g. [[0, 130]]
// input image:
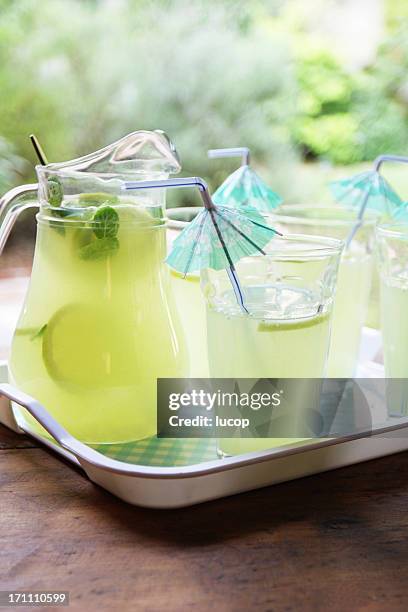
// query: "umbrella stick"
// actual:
[[210, 207], [232, 273], [359, 221], [378, 162]]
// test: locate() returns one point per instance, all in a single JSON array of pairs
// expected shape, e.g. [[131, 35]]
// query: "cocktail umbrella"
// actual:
[[370, 190], [401, 214], [217, 238], [244, 188]]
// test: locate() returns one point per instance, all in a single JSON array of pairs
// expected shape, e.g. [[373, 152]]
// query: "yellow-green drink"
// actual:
[[349, 312], [289, 296], [191, 308], [189, 299], [99, 323], [354, 276], [394, 306], [243, 346], [392, 250]]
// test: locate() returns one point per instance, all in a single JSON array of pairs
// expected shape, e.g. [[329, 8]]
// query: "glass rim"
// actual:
[[393, 230], [302, 245], [173, 223], [371, 217], [314, 245], [67, 172]]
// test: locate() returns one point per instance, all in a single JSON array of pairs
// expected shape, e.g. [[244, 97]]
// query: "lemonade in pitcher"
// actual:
[[99, 324]]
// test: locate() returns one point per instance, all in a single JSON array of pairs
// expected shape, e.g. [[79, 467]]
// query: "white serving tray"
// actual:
[[172, 487]]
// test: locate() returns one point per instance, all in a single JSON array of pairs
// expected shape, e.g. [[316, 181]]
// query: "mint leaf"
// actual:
[[100, 248], [55, 193], [106, 222]]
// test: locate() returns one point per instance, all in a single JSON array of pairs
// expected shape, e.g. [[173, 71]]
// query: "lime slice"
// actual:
[[79, 344], [33, 332], [97, 199], [129, 213], [192, 278], [290, 324]]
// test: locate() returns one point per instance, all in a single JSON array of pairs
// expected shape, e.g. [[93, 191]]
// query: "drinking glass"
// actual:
[[189, 299], [354, 277], [289, 294], [392, 251], [392, 257]]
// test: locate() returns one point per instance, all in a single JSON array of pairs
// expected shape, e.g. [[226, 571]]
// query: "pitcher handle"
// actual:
[[11, 205]]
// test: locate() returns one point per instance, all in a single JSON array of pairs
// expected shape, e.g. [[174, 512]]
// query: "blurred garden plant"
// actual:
[[323, 124], [81, 74], [212, 73], [13, 168], [352, 117]]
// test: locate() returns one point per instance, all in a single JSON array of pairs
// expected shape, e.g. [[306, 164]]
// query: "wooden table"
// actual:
[[336, 541]]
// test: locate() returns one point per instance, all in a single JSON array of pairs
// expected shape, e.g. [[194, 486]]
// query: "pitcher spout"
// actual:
[[141, 153]]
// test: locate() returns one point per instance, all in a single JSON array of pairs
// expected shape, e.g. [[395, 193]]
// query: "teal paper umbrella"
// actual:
[[244, 188], [371, 186], [370, 190], [401, 213], [199, 245], [217, 238]]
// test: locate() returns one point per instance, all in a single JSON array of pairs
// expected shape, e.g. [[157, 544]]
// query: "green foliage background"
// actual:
[[80, 74]]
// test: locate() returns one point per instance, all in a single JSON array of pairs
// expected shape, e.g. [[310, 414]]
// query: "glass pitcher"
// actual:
[[99, 324]]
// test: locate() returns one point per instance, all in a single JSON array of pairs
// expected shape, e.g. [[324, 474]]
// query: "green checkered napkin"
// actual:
[[161, 452]]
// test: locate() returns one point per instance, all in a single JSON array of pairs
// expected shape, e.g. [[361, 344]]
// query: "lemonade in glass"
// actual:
[[392, 250], [289, 295], [354, 276], [189, 298]]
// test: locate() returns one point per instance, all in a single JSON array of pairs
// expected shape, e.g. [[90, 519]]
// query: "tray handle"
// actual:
[[43, 417]]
